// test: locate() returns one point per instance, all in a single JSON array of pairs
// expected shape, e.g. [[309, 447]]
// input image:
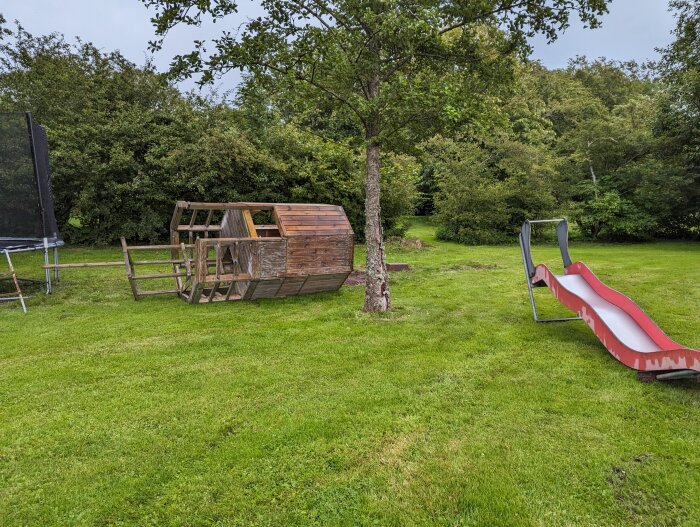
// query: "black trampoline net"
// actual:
[[24, 186]]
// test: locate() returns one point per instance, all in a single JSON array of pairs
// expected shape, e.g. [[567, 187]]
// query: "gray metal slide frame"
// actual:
[[562, 230]]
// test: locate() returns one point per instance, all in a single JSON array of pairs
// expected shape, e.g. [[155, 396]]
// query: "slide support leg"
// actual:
[[527, 259]]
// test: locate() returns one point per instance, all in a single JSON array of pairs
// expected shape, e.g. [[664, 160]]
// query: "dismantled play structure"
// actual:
[[27, 219], [621, 326], [218, 253]]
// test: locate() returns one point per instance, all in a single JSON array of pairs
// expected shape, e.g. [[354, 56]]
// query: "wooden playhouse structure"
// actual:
[[218, 252]]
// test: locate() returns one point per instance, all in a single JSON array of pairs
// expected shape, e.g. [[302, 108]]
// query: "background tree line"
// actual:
[[614, 146]]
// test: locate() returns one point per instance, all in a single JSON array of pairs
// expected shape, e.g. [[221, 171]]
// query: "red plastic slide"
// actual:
[[620, 324]]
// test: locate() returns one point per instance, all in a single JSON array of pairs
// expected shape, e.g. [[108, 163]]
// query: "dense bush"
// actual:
[[125, 145], [487, 191]]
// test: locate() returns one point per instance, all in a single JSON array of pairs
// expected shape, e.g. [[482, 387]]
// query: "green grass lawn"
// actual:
[[453, 409]]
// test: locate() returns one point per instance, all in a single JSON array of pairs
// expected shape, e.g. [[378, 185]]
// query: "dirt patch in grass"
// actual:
[[359, 276], [356, 278], [641, 504]]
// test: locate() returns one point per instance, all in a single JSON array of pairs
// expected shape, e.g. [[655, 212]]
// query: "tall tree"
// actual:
[[383, 60], [679, 120]]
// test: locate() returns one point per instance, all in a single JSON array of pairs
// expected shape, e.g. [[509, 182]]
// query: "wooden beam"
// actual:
[[129, 269], [212, 278], [248, 217], [198, 205], [198, 228], [157, 275], [83, 264], [156, 247]]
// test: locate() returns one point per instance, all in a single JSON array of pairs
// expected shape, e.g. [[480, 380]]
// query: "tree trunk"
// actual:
[[377, 286], [590, 168]]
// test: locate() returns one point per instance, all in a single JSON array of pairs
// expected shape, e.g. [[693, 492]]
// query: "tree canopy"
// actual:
[[392, 64]]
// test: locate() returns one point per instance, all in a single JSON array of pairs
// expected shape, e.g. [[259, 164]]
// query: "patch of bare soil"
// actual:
[[358, 277]]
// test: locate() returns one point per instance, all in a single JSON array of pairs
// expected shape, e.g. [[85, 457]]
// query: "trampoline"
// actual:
[[27, 219]]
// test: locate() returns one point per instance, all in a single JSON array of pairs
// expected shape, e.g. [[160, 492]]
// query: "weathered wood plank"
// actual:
[[326, 220], [315, 231], [189, 205], [310, 214], [198, 228], [267, 289], [84, 264], [212, 278], [305, 206], [297, 226], [250, 224], [273, 258], [291, 286]]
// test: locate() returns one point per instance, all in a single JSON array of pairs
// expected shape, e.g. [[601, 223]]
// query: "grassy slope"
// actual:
[[455, 409]]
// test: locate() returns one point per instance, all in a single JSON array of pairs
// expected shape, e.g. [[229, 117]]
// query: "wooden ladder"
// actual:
[[17, 293], [177, 263]]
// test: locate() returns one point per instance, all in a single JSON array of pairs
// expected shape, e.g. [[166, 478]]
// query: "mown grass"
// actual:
[[454, 409]]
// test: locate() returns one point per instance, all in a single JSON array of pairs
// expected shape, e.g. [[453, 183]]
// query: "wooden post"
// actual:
[[129, 269]]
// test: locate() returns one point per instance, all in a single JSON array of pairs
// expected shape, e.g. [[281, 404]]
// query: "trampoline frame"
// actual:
[[51, 241]]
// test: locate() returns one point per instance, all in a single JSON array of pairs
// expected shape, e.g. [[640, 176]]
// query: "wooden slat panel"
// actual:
[[314, 254], [307, 272], [335, 253], [316, 220], [311, 223], [316, 284], [326, 240], [291, 286], [267, 288], [311, 247], [250, 291], [319, 264], [316, 227], [342, 252], [336, 223]]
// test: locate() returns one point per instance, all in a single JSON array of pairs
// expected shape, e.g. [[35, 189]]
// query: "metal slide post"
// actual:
[[527, 278], [529, 266]]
